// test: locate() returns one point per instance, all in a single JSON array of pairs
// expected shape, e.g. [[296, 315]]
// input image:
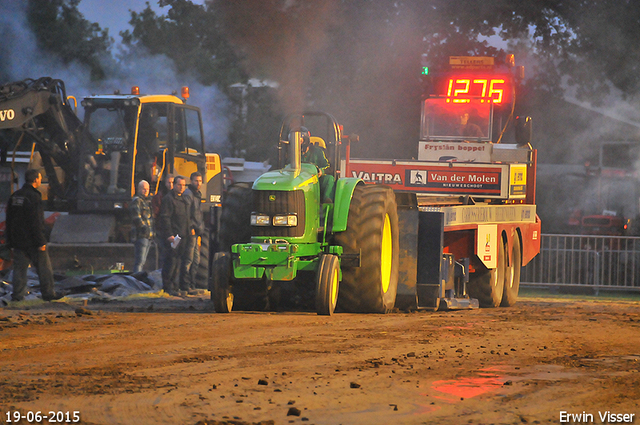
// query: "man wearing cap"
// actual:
[[314, 154]]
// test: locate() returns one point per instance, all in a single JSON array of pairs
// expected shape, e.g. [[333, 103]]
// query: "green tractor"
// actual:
[[291, 245]]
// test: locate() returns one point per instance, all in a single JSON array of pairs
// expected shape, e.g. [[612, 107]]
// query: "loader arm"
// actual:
[[37, 111]]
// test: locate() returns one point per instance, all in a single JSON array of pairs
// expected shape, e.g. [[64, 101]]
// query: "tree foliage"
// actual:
[[191, 37], [360, 59], [62, 31], [593, 42]]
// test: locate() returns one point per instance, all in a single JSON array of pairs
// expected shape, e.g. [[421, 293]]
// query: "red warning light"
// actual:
[[185, 92], [510, 60], [135, 90]]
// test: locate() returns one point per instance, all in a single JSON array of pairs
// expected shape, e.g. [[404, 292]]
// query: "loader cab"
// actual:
[[135, 137]]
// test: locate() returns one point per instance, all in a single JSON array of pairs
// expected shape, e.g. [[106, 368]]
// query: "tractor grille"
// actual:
[[274, 202]]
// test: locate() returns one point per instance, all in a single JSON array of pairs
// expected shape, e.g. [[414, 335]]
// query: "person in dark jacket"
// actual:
[[466, 128], [191, 260], [26, 237], [164, 188], [174, 223], [156, 202], [142, 224]]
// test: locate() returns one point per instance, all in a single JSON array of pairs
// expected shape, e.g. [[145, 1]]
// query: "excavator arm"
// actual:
[[37, 111]]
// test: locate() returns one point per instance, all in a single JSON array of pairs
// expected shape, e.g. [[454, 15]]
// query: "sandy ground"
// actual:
[[173, 361]]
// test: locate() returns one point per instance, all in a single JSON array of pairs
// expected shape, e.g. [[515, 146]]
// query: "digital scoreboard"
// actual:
[[489, 89], [470, 78]]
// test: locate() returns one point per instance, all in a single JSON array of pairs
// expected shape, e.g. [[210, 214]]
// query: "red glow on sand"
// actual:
[[467, 387]]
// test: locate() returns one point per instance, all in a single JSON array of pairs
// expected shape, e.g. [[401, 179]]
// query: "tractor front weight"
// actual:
[[279, 261]]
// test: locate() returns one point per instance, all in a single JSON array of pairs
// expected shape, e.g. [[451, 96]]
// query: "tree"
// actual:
[[191, 37], [62, 31], [360, 59], [372, 59]]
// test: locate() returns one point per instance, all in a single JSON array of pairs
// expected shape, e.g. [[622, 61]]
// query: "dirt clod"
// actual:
[[293, 411], [81, 311]]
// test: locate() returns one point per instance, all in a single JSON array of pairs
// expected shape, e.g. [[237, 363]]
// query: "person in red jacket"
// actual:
[[26, 237]]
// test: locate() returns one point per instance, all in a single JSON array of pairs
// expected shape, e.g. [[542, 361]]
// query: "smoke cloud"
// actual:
[[154, 74], [356, 60], [281, 40]]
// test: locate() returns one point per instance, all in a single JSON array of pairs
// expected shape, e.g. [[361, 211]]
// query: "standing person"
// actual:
[[143, 224], [192, 255], [147, 147], [26, 238], [156, 202], [174, 221]]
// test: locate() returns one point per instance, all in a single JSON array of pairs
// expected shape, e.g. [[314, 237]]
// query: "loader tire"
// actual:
[[202, 271], [487, 285], [235, 218], [512, 275], [372, 231], [228, 293], [220, 283]]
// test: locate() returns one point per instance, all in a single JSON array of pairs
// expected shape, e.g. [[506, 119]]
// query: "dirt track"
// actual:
[[173, 361]]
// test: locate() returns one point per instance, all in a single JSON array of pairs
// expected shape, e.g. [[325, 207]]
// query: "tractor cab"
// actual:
[[325, 133], [292, 201]]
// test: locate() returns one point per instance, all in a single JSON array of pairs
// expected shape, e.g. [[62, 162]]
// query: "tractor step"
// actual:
[[434, 298]]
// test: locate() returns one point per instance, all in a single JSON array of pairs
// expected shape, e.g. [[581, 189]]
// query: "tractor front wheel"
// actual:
[[327, 284]]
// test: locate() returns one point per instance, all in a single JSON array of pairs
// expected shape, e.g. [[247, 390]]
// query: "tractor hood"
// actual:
[[287, 179]]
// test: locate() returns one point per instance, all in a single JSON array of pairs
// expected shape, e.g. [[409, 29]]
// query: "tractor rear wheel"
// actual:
[[327, 284], [488, 285], [219, 284], [372, 231], [235, 218], [512, 275]]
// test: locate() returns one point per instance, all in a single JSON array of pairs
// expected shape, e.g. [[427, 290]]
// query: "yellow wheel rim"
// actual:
[[386, 254], [229, 301], [334, 287]]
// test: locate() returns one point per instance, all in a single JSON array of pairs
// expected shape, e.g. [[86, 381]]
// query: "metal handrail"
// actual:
[[586, 261]]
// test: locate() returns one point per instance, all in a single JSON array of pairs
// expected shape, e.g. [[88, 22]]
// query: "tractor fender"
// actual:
[[344, 193]]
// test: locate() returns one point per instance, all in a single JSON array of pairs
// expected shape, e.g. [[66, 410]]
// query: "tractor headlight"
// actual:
[[290, 220], [260, 220]]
